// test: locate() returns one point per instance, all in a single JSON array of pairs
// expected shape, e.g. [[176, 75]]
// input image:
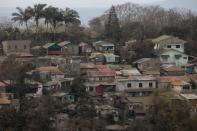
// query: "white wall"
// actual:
[[172, 59], [122, 85]]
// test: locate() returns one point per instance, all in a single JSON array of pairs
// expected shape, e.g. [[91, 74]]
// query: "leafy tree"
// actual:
[[78, 88]]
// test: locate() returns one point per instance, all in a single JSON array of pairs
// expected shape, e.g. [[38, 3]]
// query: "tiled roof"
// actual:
[[102, 73], [173, 68], [166, 37], [174, 80], [87, 65], [50, 69]]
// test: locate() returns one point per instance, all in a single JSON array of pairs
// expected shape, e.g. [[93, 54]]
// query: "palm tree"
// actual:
[[56, 17], [71, 16], [47, 15], [23, 16], [38, 13]]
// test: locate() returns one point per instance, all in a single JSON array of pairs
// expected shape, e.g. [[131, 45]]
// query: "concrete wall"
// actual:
[[172, 59], [13, 46], [122, 85]]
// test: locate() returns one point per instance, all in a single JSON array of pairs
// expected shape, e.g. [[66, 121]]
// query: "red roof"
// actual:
[[102, 73]]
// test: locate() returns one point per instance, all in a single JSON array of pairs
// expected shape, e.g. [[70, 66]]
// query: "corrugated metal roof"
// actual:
[[189, 96], [64, 43], [48, 45], [130, 72], [103, 43], [142, 60], [36, 47]]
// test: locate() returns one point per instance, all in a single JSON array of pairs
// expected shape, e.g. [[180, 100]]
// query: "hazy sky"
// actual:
[[71, 3]]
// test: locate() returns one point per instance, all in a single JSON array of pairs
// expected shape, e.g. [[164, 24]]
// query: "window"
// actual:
[[100, 78], [184, 57], [177, 56], [91, 88], [25, 46], [140, 85], [15, 46], [150, 84], [128, 85], [165, 57], [178, 46], [169, 46]]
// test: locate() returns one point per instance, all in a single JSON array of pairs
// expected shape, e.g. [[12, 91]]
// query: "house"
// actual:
[[154, 73], [170, 50], [47, 73], [69, 65], [97, 58], [179, 84], [169, 42], [145, 64], [98, 82], [137, 85], [69, 48], [16, 46], [172, 71], [84, 48], [85, 67], [53, 49], [64, 97], [190, 68], [33, 89], [110, 58], [104, 46], [172, 57]]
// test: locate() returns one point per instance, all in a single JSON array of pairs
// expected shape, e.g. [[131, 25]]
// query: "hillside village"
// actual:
[[172, 71], [91, 78]]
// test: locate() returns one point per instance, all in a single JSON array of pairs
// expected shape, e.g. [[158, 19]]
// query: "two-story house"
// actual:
[[137, 85], [100, 81], [16, 46], [104, 47], [170, 50]]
